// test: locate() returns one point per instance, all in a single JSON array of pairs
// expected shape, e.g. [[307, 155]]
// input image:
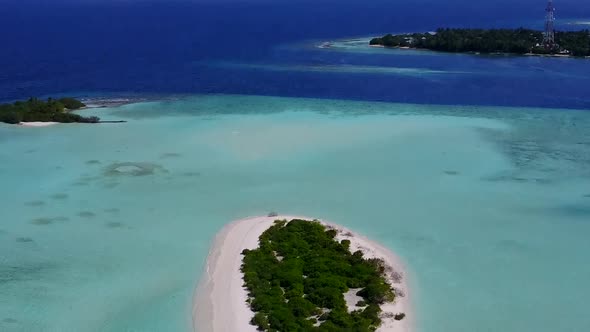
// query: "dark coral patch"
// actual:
[[575, 210], [23, 272], [42, 221], [59, 196], [86, 214], [24, 239], [133, 169], [47, 221], [170, 155]]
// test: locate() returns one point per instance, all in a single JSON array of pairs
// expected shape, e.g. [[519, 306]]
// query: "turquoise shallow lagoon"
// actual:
[[107, 227]]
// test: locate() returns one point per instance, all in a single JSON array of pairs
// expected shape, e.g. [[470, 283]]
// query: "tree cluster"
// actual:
[[51, 110], [576, 42], [297, 277], [517, 41]]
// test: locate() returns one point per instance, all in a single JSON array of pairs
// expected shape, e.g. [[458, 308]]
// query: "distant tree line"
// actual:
[[517, 41], [51, 110], [297, 277]]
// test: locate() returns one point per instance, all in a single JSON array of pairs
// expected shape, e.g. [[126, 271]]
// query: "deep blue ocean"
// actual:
[[235, 111], [166, 47]]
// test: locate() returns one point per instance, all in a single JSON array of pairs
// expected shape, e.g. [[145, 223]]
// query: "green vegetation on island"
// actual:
[[516, 41], [297, 277], [36, 110]]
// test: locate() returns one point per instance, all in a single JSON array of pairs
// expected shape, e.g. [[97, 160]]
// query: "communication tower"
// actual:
[[549, 35]]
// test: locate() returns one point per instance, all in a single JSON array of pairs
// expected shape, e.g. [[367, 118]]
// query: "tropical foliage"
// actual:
[[518, 41], [297, 276], [56, 110]]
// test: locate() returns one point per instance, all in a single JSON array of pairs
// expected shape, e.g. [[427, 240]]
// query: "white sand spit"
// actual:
[[219, 304], [37, 124]]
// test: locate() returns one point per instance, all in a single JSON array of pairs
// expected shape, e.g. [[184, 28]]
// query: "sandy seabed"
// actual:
[[220, 304]]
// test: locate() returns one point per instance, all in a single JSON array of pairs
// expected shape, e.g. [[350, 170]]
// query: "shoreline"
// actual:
[[329, 45], [37, 124], [567, 56], [219, 301]]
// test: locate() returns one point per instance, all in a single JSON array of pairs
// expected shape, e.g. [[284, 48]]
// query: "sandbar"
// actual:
[[37, 124]]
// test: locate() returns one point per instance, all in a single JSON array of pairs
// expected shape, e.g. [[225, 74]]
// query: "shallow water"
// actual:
[[108, 226]]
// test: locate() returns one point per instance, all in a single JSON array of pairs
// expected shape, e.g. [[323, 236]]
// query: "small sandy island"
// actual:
[[37, 124], [219, 304]]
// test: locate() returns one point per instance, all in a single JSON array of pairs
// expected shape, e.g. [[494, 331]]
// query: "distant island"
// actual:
[[507, 41], [38, 111]]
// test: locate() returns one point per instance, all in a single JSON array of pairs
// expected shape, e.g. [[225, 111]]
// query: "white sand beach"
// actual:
[[37, 124], [219, 302]]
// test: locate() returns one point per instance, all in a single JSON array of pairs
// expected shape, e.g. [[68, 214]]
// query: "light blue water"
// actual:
[[488, 206]]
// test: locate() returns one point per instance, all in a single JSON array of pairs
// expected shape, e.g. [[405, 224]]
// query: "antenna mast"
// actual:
[[549, 35]]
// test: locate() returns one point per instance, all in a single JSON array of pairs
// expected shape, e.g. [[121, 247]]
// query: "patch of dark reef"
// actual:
[[24, 239], [170, 155], [59, 196], [42, 221], [48, 221], [23, 272], [114, 224], [574, 210], [86, 214], [133, 169]]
